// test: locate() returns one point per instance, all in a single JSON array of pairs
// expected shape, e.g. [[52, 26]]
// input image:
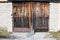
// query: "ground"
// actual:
[[29, 36]]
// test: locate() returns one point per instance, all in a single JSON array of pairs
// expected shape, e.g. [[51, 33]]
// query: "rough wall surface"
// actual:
[[5, 15], [3, 0], [54, 17]]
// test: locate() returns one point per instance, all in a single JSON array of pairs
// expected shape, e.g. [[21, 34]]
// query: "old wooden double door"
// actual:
[[27, 15]]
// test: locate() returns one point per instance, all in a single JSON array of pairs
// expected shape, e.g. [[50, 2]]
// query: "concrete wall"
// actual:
[[5, 15]]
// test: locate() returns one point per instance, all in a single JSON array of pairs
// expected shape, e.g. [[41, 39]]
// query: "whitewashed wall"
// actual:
[[6, 18], [59, 16], [54, 17], [3, 0], [5, 15]]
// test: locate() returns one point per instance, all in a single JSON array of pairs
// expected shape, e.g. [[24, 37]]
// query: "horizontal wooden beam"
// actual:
[[54, 1]]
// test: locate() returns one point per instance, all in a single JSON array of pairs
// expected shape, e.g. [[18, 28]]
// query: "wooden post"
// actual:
[[29, 15]]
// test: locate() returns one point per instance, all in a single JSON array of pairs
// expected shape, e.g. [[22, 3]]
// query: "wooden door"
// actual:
[[40, 13], [27, 15], [21, 17]]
